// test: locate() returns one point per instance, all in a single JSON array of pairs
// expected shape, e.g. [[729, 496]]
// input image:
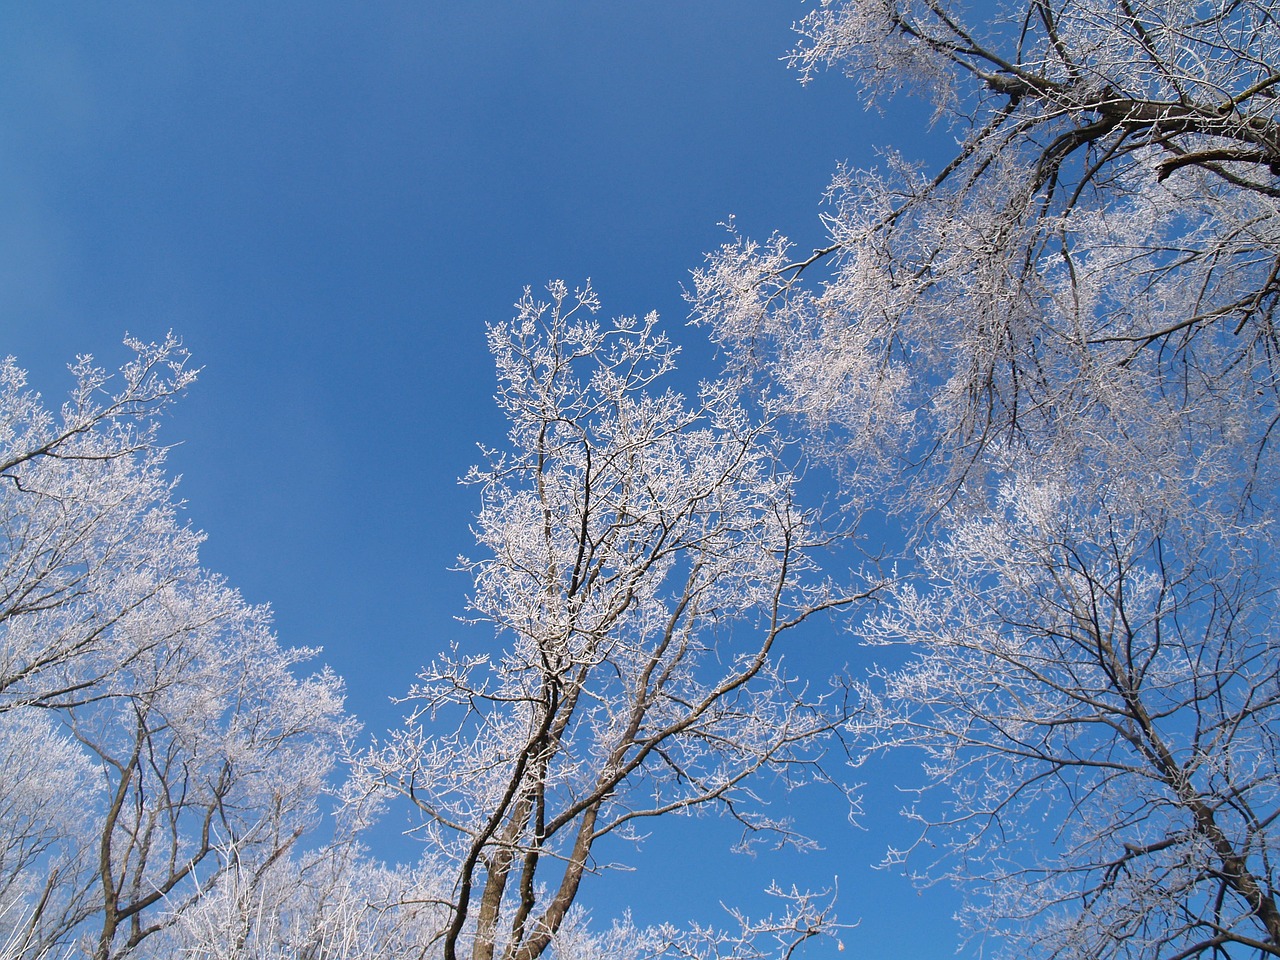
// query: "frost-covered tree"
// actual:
[[329, 902], [1053, 355], [153, 733], [1094, 682], [642, 559], [1100, 254]]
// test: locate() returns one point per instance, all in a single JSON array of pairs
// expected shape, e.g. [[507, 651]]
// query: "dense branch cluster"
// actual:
[[1057, 353], [643, 557], [1102, 248], [153, 735]]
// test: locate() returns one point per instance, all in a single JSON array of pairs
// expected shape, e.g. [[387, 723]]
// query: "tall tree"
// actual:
[[1055, 356], [643, 558], [153, 730]]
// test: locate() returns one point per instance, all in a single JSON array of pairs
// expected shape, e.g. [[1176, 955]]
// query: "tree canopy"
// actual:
[[1056, 353], [1049, 358]]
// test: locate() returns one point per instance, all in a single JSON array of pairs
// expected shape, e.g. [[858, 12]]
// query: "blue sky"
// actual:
[[328, 202]]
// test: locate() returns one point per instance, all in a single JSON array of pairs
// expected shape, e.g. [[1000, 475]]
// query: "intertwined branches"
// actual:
[[642, 558], [1054, 356]]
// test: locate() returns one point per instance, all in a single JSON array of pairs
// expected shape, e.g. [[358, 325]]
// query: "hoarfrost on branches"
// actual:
[[643, 557], [150, 724], [1053, 357]]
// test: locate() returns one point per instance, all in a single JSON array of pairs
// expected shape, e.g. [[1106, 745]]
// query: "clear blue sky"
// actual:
[[328, 202]]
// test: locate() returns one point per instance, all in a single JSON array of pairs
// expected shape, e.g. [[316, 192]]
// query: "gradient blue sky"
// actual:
[[328, 202]]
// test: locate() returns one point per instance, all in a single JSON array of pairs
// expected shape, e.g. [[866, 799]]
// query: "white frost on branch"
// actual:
[[643, 557]]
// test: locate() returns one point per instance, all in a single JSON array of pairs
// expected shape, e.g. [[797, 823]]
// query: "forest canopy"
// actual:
[[1048, 359]]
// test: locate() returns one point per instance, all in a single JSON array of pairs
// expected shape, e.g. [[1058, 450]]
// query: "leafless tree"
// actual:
[[150, 723], [643, 559], [1053, 356]]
